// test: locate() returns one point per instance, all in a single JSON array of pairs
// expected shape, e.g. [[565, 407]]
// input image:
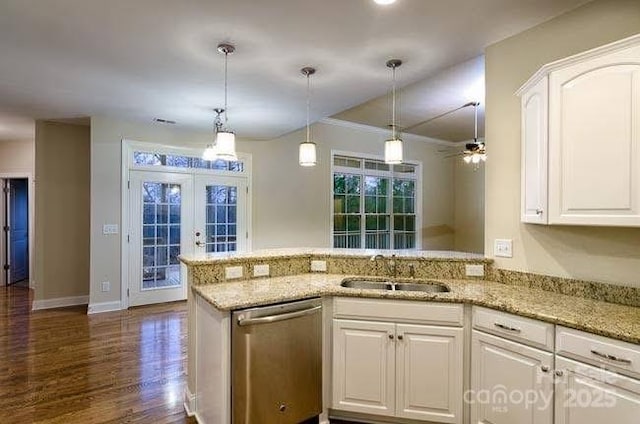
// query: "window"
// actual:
[[374, 204], [182, 161]]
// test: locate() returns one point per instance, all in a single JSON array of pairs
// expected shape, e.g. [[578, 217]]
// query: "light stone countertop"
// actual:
[[606, 319], [443, 255]]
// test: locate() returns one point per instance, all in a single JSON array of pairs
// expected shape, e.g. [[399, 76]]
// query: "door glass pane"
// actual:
[[160, 235], [222, 206]]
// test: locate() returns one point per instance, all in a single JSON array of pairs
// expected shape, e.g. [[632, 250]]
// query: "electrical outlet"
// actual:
[[106, 286], [474, 270], [261, 270], [319, 266], [108, 229], [503, 248], [232, 272]]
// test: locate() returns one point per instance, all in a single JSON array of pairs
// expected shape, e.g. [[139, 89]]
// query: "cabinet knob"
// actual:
[[282, 407], [559, 373], [538, 211], [545, 368], [391, 336], [400, 337]]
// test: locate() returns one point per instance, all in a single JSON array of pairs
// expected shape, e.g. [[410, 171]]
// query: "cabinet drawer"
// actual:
[[524, 330], [613, 354], [399, 311]]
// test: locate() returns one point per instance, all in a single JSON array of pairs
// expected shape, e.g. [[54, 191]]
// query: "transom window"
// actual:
[[374, 204], [183, 161]]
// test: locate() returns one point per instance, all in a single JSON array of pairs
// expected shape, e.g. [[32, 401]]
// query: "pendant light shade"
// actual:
[[224, 146], [209, 153], [393, 151], [393, 147], [307, 155]]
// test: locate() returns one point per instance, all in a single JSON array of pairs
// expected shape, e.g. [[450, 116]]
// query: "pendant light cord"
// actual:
[[393, 104], [226, 55], [308, 106]]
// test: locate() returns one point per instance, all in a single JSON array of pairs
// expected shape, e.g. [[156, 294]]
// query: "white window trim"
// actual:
[[127, 149], [418, 179]]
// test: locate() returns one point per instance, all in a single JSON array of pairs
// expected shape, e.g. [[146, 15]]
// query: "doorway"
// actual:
[[175, 203], [15, 231]]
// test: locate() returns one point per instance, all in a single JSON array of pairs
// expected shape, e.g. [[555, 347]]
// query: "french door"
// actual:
[[179, 213]]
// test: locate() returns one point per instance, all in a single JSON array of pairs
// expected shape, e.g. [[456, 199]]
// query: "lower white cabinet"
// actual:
[[590, 395], [510, 382], [401, 370]]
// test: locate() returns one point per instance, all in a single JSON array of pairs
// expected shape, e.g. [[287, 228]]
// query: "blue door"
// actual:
[[18, 231]]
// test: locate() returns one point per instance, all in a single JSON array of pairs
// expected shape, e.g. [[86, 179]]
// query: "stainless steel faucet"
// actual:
[[390, 264]]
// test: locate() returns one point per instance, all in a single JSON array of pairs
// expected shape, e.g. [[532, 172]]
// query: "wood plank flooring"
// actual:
[[62, 366]]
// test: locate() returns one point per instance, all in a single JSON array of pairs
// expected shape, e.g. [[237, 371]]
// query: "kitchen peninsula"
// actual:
[[494, 304]]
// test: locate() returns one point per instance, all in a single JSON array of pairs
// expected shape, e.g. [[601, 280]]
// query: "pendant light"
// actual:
[[225, 147], [475, 152], [393, 146], [307, 151]]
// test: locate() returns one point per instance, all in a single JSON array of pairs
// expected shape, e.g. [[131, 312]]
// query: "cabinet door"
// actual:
[[429, 373], [534, 140], [594, 141], [510, 382], [364, 366], [590, 395]]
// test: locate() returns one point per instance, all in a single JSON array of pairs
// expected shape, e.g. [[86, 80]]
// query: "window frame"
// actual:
[[363, 172]]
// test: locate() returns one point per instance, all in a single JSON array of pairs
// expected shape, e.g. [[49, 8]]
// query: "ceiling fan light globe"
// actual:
[[467, 159]]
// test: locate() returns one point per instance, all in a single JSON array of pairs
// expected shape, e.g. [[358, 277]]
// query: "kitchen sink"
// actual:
[[427, 286]]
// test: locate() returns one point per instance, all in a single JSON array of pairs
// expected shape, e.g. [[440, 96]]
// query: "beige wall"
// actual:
[[17, 156], [601, 254], [468, 206], [290, 204], [62, 210]]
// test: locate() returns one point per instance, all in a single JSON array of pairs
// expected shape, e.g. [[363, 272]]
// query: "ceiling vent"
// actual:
[[164, 121]]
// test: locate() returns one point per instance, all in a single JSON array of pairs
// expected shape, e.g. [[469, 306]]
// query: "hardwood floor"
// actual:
[[62, 366]]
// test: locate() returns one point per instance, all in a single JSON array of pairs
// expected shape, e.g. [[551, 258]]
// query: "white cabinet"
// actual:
[[534, 143], [429, 373], [398, 368], [581, 139], [364, 366], [591, 395], [510, 382]]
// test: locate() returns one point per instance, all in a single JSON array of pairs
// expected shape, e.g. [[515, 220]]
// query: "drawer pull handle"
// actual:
[[611, 357], [506, 327]]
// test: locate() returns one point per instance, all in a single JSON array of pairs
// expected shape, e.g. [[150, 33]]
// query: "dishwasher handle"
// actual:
[[243, 322]]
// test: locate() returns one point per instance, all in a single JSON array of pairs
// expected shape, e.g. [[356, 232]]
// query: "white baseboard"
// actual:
[[59, 302], [189, 402], [97, 308]]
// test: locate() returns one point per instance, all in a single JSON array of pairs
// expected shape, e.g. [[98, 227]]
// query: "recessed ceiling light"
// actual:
[[385, 2]]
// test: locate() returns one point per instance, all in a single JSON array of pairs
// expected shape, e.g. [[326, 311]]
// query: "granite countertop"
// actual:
[[442, 255], [606, 319]]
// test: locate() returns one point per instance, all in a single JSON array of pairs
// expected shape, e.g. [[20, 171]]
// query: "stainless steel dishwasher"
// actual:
[[276, 361]]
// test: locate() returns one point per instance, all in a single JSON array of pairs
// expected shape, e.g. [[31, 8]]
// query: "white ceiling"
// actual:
[[157, 58]]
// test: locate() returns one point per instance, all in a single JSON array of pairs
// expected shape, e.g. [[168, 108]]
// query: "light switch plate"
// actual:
[[108, 229], [261, 270], [232, 272], [105, 286], [503, 248], [319, 266], [474, 270]]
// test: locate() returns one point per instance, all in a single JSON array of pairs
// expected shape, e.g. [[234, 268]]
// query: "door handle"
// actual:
[[199, 243]]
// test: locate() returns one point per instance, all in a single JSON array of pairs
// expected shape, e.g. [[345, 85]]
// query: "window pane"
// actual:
[[370, 204], [339, 185], [339, 204], [339, 223], [353, 223], [352, 184], [353, 204]]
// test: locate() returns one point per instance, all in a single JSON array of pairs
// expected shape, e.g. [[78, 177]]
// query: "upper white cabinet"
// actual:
[[581, 139]]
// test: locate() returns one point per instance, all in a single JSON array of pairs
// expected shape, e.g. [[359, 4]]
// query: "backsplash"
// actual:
[[611, 293]]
